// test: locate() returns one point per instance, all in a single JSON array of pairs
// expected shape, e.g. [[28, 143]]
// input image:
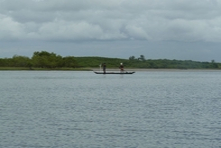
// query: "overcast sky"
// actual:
[[157, 29]]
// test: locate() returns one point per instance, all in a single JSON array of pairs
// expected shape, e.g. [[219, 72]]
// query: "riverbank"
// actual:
[[98, 69], [44, 69], [157, 70]]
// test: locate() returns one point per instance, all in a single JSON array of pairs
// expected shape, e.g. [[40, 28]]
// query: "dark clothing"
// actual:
[[104, 67], [121, 67]]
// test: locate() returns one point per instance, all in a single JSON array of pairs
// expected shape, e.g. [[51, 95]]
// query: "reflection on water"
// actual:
[[82, 109]]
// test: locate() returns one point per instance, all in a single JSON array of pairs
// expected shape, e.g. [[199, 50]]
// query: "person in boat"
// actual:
[[104, 67], [121, 67]]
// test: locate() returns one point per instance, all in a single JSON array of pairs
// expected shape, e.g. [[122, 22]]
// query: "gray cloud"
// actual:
[[115, 20], [118, 19]]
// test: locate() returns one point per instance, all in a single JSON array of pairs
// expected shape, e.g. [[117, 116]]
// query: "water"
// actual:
[[155, 109]]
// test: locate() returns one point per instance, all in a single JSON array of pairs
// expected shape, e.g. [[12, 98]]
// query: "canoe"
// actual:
[[109, 72]]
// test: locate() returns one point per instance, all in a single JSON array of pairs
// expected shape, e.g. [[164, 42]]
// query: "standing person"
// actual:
[[121, 67], [104, 67]]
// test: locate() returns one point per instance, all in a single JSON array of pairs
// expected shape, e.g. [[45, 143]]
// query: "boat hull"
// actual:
[[108, 72]]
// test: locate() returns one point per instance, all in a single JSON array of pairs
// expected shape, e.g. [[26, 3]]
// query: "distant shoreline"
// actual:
[[98, 69], [156, 70], [43, 69]]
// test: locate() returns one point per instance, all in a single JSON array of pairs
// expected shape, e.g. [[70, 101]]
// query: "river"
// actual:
[[154, 109]]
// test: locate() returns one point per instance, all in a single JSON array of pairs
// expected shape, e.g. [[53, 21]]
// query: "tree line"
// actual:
[[142, 62], [41, 59], [48, 60]]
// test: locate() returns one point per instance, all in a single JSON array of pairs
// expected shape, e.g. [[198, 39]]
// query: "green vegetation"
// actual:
[[50, 61]]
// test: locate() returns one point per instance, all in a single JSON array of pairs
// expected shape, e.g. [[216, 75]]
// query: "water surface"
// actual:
[[63, 109]]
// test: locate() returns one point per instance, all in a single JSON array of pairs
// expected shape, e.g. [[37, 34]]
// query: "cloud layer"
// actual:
[[152, 20]]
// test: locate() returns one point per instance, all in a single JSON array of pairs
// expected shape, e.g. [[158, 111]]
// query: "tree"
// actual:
[[142, 58], [2, 62], [132, 58], [45, 59], [69, 62], [214, 64], [20, 61]]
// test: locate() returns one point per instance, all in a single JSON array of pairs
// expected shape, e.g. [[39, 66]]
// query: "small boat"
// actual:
[[114, 72]]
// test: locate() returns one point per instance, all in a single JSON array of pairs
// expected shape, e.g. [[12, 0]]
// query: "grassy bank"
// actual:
[[46, 69]]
